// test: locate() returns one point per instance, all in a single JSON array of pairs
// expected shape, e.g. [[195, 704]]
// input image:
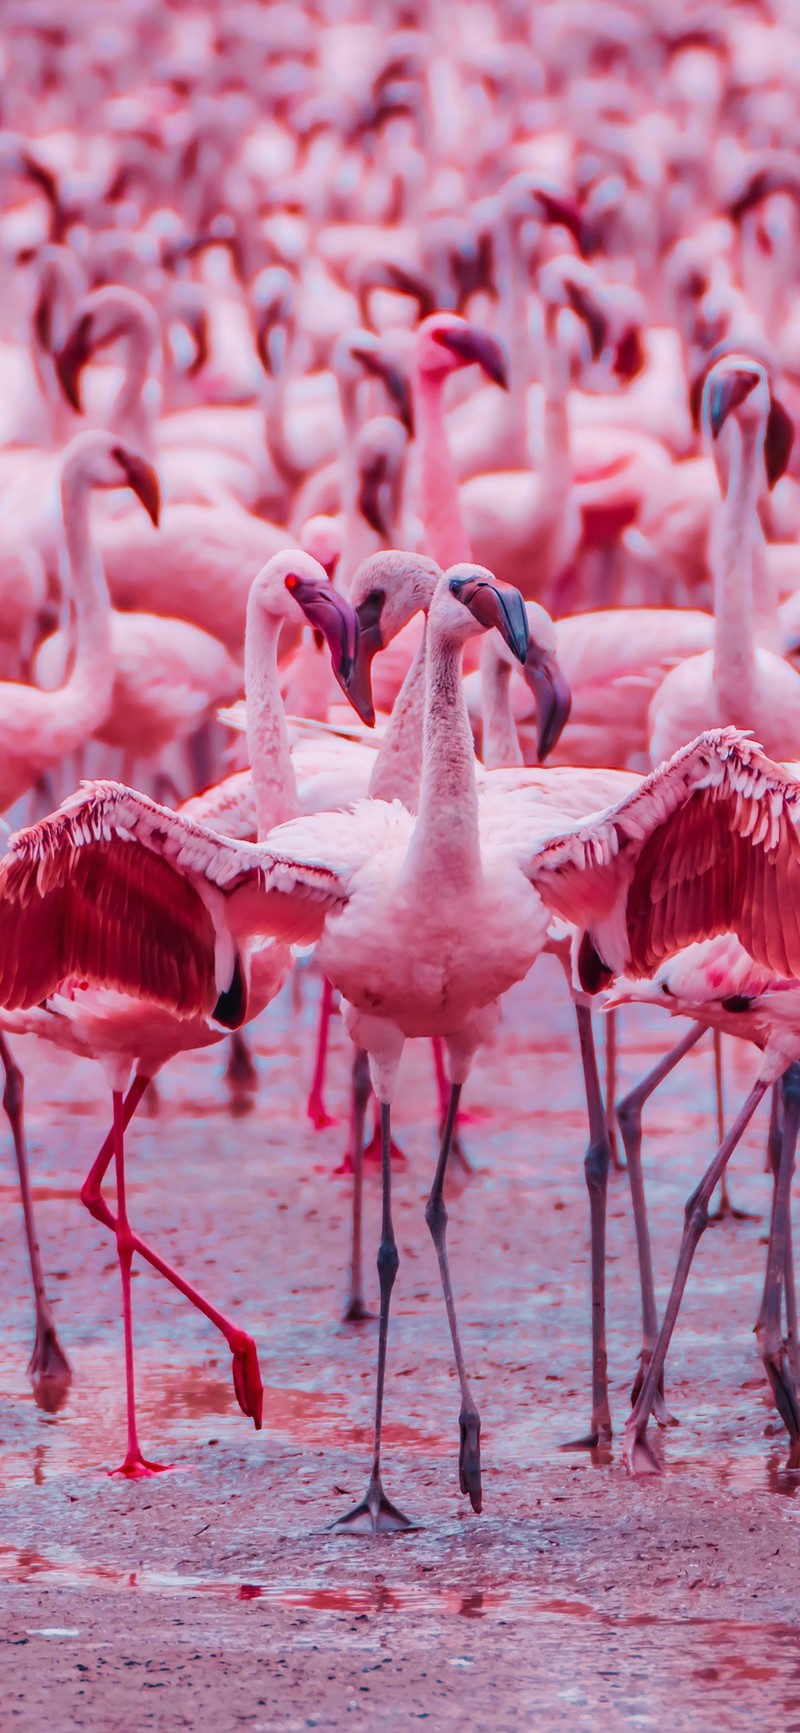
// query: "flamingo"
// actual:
[[388, 897], [718, 984], [132, 1031], [739, 681]]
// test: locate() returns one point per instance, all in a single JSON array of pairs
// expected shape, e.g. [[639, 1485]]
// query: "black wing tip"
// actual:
[[231, 1007]]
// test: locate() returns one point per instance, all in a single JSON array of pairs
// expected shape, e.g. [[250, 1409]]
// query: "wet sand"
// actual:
[[215, 1596]]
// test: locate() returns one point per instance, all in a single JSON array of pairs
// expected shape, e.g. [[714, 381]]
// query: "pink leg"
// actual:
[[135, 1466], [315, 1107], [48, 1365], [246, 1374]]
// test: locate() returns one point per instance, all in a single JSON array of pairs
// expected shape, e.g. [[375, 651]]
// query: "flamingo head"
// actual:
[[273, 302], [361, 353], [381, 448], [445, 342], [399, 280], [739, 385], [543, 674], [103, 317], [329, 613], [101, 460], [388, 589], [469, 599]]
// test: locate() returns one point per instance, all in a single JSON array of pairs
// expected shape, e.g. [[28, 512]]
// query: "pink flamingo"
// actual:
[[738, 681], [39, 729], [718, 985], [136, 1029], [422, 925]]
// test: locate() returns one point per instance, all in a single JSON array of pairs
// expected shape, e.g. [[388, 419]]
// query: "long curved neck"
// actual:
[[84, 698], [444, 852], [501, 745], [446, 539], [512, 286], [734, 613], [129, 413], [556, 469], [398, 766], [267, 737]]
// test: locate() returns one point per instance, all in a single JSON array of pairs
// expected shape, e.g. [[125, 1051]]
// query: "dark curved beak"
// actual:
[[725, 394], [331, 614], [370, 504], [370, 641], [473, 344], [142, 480], [591, 315], [553, 697], [72, 359], [562, 213], [383, 366], [491, 606], [196, 322]]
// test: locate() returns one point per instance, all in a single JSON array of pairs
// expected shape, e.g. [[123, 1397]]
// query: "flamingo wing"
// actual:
[[128, 894], [708, 843]]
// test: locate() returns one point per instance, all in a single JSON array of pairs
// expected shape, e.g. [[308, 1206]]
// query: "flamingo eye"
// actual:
[[666, 989]]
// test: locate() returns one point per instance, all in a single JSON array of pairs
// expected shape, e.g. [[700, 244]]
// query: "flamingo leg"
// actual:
[[596, 1164], [638, 1453], [135, 1465], [726, 1209], [355, 1310], [246, 1374], [771, 1346], [315, 1106], [457, 1149], [48, 1365], [629, 1114], [469, 1420], [611, 1087], [240, 1071], [375, 1514]]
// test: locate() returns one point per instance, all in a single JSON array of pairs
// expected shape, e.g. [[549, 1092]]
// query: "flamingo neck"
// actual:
[[267, 737], [555, 467], [446, 538], [129, 415], [734, 663], [501, 747], [511, 278], [85, 697], [398, 766], [444, 853]]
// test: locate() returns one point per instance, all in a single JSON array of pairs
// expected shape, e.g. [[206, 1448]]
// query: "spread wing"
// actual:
[[708, 843]]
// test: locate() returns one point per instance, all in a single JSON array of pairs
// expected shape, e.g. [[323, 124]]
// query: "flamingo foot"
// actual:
[[356, 1311], [49, 1370], [318, 1113], [247, 1377], [469, 1459], [778, 1370], [640, 1458], [374, 1515], [136, 1467], [372, 1151], [597, 1439], [728, 1212]]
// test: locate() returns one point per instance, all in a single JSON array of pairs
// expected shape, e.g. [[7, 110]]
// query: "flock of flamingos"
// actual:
[[392, 404]]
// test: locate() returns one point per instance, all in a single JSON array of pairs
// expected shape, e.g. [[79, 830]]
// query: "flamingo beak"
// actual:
[[141, 477], [553, 697], [562, 213], [491, 606], [72, 359], [329, 613], [591, 315], [470, 343], [383, 366], [370, 641], [370, 505], [724, 394]]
